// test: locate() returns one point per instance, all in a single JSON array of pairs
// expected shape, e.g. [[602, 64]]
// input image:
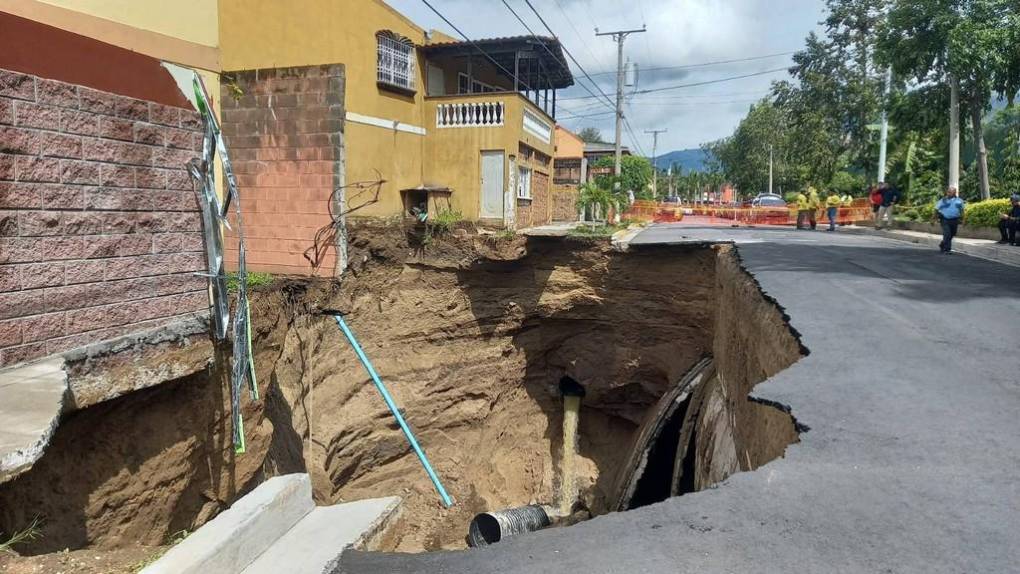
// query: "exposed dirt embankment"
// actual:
[[473, 352], [724, 431], [472, 335]]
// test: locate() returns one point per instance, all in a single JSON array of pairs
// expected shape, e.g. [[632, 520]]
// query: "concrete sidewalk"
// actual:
[[983, 248]]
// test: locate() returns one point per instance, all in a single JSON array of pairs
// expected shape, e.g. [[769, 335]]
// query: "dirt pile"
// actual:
[[472, 335]]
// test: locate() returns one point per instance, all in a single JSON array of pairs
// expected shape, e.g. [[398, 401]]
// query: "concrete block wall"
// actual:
[[284, 130], [100, 232]]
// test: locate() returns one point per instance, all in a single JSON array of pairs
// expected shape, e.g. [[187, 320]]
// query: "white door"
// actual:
[[492, 185]]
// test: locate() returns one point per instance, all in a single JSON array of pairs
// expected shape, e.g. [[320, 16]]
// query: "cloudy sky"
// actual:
[[680, 33]]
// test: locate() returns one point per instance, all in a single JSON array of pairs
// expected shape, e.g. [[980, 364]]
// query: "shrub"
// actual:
[[444, 221], [911, 214], [926, 211], [985, 213]]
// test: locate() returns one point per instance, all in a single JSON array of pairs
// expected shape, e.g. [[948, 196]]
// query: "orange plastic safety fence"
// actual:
[[670, 212]]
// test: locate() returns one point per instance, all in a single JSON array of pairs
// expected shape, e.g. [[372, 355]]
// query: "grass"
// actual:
[[31, 532], [595, 231], [255, 279]]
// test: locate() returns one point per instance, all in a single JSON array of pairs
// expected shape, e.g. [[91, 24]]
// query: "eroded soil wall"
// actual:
[[472, 337]]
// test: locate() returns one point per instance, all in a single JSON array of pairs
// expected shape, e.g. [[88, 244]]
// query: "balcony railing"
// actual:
[[470, 114]]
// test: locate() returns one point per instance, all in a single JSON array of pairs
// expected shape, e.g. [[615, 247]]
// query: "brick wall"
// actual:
[[540, 202], [564, 203], [285, 136], [99, 226]]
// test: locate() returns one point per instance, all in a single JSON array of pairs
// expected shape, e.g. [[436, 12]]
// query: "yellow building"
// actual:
[[433, 117], [570, 170], [184, 32]]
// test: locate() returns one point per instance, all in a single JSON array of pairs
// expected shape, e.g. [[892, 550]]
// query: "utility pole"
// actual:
[[884, 132], [770, 169], [619, 36], [954, 132], [655, 170]]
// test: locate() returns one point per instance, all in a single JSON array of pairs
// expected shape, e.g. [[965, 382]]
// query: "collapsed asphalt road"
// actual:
[[911, 393]]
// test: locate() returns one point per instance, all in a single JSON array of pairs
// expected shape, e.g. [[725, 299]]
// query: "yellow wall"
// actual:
[[185, 32], [190, 20], [258, 34], [273, 33], [568, 144], [453, 155]]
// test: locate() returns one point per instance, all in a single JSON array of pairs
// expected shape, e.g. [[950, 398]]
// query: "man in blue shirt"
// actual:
[[950, 212]]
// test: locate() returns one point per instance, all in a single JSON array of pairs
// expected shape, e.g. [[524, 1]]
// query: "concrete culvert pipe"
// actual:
[[491, 527]]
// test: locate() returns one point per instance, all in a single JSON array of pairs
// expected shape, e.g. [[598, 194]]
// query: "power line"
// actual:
[[572, 58], [570, 22], [533, 35], [475, 44], [705, 83], [702, 65]]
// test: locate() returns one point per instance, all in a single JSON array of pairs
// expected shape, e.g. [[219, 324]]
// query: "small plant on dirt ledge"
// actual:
[[444, 221], [255, 279], [31, 532]]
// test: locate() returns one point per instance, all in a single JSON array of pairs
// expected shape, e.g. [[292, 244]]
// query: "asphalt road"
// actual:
[[912, 461]]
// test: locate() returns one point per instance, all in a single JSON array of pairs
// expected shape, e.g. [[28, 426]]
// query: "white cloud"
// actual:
[[680, 33]]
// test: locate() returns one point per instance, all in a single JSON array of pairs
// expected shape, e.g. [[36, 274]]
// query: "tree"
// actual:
[[743, 157], [962, 43], [591, 135], [635, 174]]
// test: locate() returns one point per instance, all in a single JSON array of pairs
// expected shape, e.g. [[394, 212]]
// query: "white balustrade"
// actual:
[[470, 114]]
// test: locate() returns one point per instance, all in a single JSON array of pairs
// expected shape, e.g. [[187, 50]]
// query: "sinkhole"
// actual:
[[479, 345]]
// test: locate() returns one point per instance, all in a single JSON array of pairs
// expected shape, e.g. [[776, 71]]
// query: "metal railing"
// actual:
[[470, 114]]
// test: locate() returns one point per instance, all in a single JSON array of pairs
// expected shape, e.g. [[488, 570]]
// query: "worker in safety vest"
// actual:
[[802, 210], [832, 204], [847, 200], [814, 204]]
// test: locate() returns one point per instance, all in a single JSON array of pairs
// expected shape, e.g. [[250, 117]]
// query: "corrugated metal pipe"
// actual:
[[491, 527]]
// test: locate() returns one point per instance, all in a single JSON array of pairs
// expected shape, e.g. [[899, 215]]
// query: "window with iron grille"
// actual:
[[395, 63]]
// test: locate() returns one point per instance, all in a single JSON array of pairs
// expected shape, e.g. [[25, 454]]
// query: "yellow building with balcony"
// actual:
[[443, 124]]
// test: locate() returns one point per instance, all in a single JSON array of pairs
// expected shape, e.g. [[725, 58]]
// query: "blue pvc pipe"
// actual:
[[393, 409]]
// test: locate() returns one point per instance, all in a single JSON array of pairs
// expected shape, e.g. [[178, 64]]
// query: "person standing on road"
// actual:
[[1009, 222], [890, 197], [832, 204], [950, 211], [802, 210], [814, 204], [875, 196]]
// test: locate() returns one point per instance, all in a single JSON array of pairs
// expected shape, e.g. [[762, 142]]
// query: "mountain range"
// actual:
[[694, 159]]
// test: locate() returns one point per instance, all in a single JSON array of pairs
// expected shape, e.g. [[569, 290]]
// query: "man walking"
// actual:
[[890, 197], [832, 204], [1009, 222], [950, 211]]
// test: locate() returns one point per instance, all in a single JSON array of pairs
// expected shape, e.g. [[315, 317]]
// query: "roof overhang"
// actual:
[[541, 64]]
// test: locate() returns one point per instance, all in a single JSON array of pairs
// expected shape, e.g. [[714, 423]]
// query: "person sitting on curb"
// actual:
[[890, 197], [1009, 222], [875, 197], [802, 210], [814, 204], [832, 204], [950, 211]]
